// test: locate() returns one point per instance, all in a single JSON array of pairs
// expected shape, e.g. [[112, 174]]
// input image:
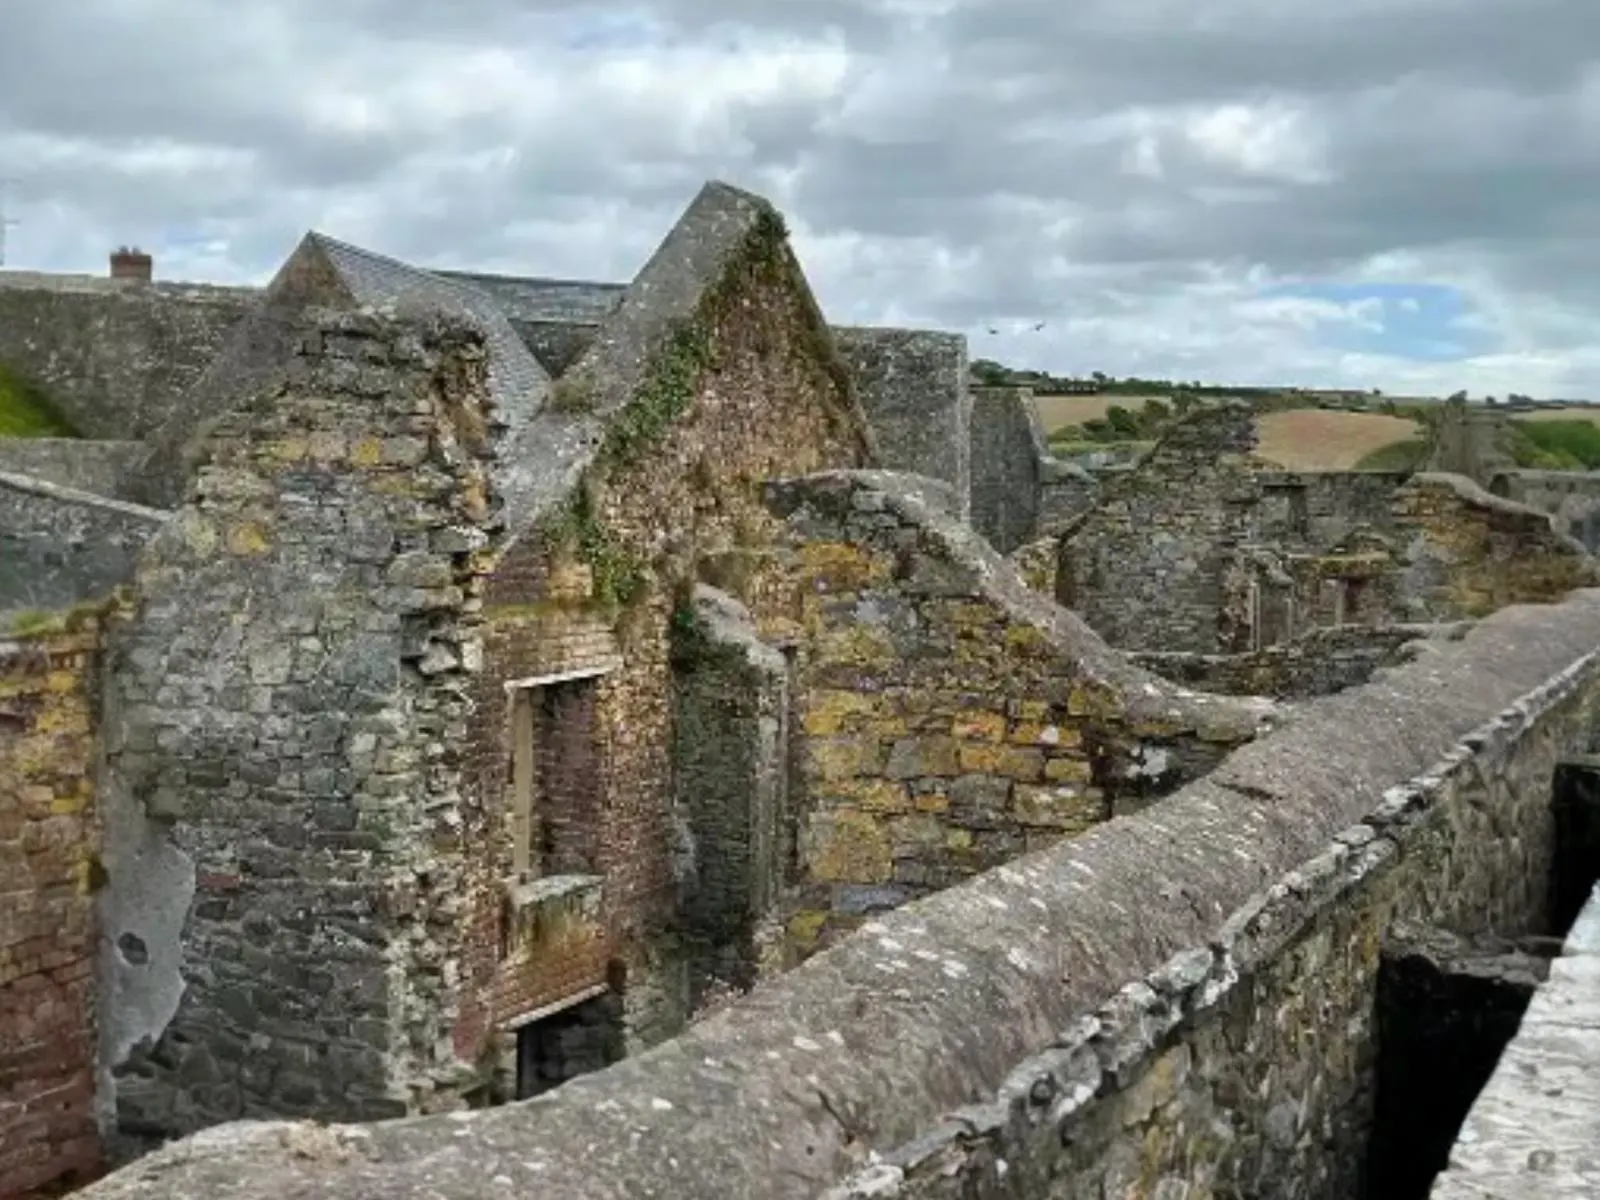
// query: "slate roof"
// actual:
[[530, 298], [517, 383]]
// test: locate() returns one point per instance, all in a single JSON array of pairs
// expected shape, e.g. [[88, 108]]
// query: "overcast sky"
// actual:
[[1393, 193]]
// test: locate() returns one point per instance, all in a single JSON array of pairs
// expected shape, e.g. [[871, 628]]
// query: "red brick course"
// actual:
[[48, 839]]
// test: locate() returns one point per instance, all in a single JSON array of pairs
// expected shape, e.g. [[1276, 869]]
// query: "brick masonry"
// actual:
[[49, 844], [684, 508]]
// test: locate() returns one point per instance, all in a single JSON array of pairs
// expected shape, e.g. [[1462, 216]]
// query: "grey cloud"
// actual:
[[1465, 132]]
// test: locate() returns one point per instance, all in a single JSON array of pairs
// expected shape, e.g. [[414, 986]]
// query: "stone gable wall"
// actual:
[[1180, 996], [597, 584], [285, 705], [1020, 491], [114, 357], [951, 720], [49, 847]]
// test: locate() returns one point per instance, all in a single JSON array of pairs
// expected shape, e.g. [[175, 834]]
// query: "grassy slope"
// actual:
[[25, 411]]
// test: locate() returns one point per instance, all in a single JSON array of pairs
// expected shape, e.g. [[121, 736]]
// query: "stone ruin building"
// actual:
[[425, 690]]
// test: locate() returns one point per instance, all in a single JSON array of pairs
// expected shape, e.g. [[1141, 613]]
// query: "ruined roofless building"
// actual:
[[481, 710], [461, 725]]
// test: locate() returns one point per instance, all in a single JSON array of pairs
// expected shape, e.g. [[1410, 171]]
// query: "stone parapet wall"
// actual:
[[114, 357], [1534, 1130], [1317, 663], [60, 546], [1264, 887], [49, 865], [101, 468]]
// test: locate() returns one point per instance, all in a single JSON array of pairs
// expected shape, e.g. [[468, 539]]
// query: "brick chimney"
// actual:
[[130, 262]]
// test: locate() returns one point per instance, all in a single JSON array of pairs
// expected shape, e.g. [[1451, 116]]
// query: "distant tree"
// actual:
[[1123, 421]]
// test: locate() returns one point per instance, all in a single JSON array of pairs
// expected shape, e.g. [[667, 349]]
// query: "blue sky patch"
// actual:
[[1419, 320]]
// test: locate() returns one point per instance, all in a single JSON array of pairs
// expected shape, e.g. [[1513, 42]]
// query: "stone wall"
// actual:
[[114, 356], [1316, 663], [1472, 440], [1536, 1116], [59, 546], [1572, 498], [49, 843], [678, 392], [1466, 552], [730, 750], [951, 719], [285, 710], [103, 468], [1311, 510], [912, 386], [1019, 490], [1180, 999], [1146, 566]]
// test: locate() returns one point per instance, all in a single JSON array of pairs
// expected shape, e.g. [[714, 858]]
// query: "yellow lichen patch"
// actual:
[[1068, 770], [848, 846], [856, 646], [979, 726], [1069, 809], [1038, 733], [840, 567], [199, 535], [873, 795], [1028, 642], [1093, 700], [1013, 762], [327, 446], [287, 450], [833, 711], [248, 538], [839, 758], [367, 452], [804, 929]]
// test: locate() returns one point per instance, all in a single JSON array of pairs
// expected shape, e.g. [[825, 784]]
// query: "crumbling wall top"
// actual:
[[871, 1042]]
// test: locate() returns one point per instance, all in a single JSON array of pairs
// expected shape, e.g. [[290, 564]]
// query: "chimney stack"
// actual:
[[130, 262]]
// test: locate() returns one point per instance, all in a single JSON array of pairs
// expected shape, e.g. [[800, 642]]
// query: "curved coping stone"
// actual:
[[868, 1047]]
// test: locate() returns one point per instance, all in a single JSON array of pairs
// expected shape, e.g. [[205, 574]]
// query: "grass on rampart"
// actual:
[[25, 411]]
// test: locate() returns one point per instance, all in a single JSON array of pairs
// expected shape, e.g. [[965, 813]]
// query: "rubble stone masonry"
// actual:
[[951, 718], [49, 843], [284, 720]]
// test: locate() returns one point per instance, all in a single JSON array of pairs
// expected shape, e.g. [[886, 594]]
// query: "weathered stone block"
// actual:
[[848, 846]]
